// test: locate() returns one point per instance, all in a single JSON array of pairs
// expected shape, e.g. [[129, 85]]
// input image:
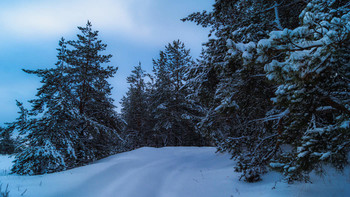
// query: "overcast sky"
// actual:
[[134, 30]]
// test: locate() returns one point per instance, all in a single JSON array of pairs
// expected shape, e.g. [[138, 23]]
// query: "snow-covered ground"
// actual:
[[165, 172]]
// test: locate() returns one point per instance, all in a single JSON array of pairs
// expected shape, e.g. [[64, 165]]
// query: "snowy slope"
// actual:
[[164, 172]]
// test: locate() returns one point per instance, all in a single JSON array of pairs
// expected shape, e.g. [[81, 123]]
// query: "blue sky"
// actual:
[[135, 31]]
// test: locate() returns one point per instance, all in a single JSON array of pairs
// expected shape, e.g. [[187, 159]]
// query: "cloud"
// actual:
[[146, 21], [37, 19]]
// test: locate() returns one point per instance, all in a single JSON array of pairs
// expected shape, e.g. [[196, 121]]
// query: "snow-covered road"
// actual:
[[148, 172], [163, 172], [157, 172]]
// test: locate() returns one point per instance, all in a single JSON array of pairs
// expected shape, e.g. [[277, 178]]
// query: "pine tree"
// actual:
[[313, 94], [239, 94], [136, 111], [49, 143], [99, 122], [72, 120], [308, 62], [173, 115]]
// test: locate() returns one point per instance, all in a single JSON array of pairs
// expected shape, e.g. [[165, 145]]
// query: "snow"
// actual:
[[325, 155], [276, 165], [303, 154], [5, 165], [264, 43], [185, 117], [165, 172], [161, 106], [345, 124]]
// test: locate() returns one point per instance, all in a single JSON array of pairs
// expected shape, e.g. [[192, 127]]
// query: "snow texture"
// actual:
[[165, 172]]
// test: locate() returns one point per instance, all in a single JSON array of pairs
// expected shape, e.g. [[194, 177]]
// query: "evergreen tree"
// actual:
[[307, 124], [72, 121], [49, 143], [135, 110], [313, 94], [232, 86], [174, 122], [99, 122]]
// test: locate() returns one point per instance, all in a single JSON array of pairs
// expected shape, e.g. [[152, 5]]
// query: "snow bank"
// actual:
[[165, 172], [5, 165]]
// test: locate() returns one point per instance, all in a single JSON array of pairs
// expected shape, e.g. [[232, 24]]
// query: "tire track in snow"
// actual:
[[162, 173]]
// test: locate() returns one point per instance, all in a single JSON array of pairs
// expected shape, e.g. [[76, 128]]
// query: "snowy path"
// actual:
[[146, 172], [153, 174], [164, 172]]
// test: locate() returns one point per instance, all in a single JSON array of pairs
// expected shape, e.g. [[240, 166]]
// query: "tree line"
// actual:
[[271, 87]]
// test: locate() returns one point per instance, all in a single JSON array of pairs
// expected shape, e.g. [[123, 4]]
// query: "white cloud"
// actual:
[[52, 18], [147, 21]]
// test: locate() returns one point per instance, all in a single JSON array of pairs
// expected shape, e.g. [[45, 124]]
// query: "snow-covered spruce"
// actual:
[[72, 120], [311, 66], [232, 86], [136, 110], [173, 114]]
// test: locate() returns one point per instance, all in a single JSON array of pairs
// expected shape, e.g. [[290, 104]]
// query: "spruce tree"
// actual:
[[48, 144], [313, 94], [136, 111], [99, 124], [72, 121], [306, 124], [232, 86], [174, 122]]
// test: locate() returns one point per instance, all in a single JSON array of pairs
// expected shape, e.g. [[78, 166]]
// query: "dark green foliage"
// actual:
[[307, 123], [72, 121], [136, 110], [7, 144], [174, 115], [239, 93], [160, 112], [313, 88], [235, 94]]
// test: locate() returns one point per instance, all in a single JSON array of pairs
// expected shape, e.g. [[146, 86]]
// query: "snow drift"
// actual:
[[165, 172]]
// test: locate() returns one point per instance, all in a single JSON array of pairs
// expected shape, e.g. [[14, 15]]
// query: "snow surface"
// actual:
[[165, 172]]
